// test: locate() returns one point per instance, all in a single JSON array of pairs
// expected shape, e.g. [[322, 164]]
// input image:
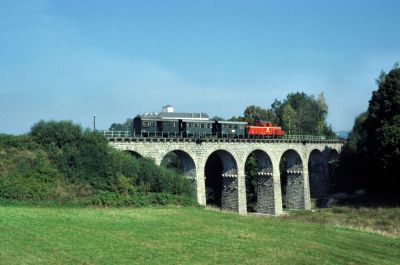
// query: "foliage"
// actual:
[[383, 129], [372, 153], [251, 170], [55, 133], [59, 161], [255, 113], [17, 141], [28, 175], [126, 126], [217, 118], [298, 113]]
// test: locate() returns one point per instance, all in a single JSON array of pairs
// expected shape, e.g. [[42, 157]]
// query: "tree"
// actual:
[[300, 113], [289, 119], [56, 133], [352, 172], [126, 126], [217, 118], [383, 127], [255, 113], [372, 153]]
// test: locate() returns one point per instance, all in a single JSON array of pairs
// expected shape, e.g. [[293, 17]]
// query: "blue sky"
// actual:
[[69, 60]]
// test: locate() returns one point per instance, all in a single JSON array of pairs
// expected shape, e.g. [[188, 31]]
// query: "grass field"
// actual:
[[174, 235]]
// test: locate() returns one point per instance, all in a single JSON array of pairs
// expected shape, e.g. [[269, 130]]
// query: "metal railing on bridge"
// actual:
[[130, 134]]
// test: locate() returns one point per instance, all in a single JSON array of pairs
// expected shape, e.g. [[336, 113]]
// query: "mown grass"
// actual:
[[178, 235], [385, 221]]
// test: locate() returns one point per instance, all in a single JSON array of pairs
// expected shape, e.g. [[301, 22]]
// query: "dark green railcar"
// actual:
[[145, 126], [234, 129], [199, 128]]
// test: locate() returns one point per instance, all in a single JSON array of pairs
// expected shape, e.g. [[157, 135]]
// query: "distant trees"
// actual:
[[372, 154], [126, 126], [298, 113]]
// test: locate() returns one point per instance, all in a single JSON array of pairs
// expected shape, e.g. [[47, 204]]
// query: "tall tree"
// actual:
[[300, 113], [370, 157], [383, 126], [255, 113]]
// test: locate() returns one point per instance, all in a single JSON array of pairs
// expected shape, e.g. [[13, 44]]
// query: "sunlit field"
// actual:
[[179, 235]]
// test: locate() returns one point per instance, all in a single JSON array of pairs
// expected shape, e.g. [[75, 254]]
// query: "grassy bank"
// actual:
[[385, 221], [175, 235]]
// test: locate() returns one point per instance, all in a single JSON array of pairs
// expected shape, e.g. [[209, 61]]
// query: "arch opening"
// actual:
[[317, 171], [259, 182], [134, 154], [183, 163], [292, 180], [333, 160], [221, 181]]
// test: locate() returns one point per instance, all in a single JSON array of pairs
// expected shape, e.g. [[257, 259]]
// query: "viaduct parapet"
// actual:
[[306, 166]]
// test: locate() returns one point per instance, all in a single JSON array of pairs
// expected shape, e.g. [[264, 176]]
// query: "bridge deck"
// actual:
[[222, 140]]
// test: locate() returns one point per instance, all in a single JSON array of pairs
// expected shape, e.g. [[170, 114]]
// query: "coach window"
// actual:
[[201, 125], [196, 125], [145, 124]]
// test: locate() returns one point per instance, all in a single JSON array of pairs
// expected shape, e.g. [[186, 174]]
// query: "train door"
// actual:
[[182, 127], [159, 129]]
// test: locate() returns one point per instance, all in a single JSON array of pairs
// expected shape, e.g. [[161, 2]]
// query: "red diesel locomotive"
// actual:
[[264, 129]]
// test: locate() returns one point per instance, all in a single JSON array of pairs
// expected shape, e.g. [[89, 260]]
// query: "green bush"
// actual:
[[29, 175], [17, 141], [112, 199], [59, 161]]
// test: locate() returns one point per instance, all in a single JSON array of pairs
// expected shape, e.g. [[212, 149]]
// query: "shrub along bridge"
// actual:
[[217, 168]]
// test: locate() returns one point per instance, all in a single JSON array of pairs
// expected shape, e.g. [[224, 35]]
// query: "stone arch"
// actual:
[[221, 180], [332, 162], [133, 153], [317, 172], [183, 162], [292, 180], [259, 183]]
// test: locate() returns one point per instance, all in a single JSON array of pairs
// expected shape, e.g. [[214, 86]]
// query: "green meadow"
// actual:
[[179, 235]]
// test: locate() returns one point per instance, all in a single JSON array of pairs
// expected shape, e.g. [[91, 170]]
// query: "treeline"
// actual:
[[371, 156], [298, 113], [61, 162]]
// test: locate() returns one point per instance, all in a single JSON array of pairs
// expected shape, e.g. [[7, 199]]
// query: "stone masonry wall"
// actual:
[[270, 198]]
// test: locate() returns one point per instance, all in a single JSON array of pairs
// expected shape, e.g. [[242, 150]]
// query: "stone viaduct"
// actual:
[[306, 165]]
